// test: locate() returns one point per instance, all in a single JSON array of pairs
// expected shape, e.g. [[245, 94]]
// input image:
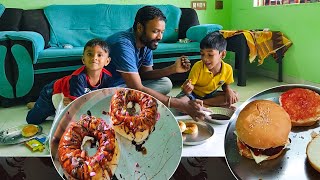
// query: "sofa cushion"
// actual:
[[54, 54], [10, 19], [197, 33], [34, 20], [80, 22], [171, 48]]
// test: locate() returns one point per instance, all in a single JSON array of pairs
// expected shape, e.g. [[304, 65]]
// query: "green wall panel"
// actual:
[[300, 23]]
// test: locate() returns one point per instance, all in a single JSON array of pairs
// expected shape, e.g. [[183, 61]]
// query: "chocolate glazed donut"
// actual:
[[76, 162], [127, 120]]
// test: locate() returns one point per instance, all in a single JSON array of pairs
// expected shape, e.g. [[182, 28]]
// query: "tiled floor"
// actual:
[[255, 84]]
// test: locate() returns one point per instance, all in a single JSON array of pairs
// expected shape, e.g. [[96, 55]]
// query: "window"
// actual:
[[281, 2]]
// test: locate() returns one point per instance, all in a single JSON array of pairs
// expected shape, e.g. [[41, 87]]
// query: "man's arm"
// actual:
[[181, 65], [193, 108]]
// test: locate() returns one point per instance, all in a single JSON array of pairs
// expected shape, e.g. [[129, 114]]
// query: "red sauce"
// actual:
[[300, 103]]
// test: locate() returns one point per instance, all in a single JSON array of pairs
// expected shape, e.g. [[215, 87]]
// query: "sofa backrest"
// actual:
[[188, 19], [76, 24], [34, 20], [10, 19]]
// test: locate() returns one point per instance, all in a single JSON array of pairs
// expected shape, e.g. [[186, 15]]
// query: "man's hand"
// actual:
[[194, 108], [66, 101], [187, 87], [182, 64]]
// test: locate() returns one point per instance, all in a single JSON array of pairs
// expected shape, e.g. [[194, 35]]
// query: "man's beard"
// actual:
[[150, 43]]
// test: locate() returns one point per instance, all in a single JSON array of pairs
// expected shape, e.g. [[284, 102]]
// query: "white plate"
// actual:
[[164, 145], [220, 115]]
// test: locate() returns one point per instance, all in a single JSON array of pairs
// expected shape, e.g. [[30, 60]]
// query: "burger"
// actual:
[[262, 130]]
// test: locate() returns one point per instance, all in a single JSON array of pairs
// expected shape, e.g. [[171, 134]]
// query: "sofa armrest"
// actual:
[[36, 39], [197, 33], [3, 35]]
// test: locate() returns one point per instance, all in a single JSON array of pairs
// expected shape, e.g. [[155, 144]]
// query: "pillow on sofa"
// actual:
[[34, 20], [10, 19], [197, 33]]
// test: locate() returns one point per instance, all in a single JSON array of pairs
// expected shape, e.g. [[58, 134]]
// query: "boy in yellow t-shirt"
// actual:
[[211, 73]]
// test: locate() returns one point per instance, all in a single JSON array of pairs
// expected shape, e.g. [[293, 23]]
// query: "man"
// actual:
[[131, 65]]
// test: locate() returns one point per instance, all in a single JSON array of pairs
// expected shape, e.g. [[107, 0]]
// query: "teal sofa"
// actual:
[[46, 44]]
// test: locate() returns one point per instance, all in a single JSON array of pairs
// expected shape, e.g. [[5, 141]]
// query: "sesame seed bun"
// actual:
[[313, 153], [263, 124], [302, 105]]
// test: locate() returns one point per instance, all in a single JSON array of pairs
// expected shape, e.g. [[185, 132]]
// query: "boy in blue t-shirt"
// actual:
[[87, 78]]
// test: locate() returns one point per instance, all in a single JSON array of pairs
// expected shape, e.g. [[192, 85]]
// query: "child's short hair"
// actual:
[[146, 14], [214, 40], [97, 42]]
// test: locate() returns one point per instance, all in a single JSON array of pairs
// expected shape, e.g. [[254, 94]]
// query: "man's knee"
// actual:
[[167, 85], [162, 85]]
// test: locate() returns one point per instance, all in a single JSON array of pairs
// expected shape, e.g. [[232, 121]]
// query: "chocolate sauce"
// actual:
[[89, 113], [139, 147], [105, 113], [219, 117]]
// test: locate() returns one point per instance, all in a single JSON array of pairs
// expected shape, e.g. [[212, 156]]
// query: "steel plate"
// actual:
[[205, 132], [292, 164]]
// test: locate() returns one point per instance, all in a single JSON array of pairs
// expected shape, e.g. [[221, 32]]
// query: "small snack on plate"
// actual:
[[191, 128], [182, 126], [29, 130], [313, 152], [302, 105]]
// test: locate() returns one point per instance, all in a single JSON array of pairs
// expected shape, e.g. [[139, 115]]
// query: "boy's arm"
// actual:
[[77, 87], [187, 87], [231, 96], [181, 65]]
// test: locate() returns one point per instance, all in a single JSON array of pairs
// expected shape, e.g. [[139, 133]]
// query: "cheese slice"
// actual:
[[259, 158]]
